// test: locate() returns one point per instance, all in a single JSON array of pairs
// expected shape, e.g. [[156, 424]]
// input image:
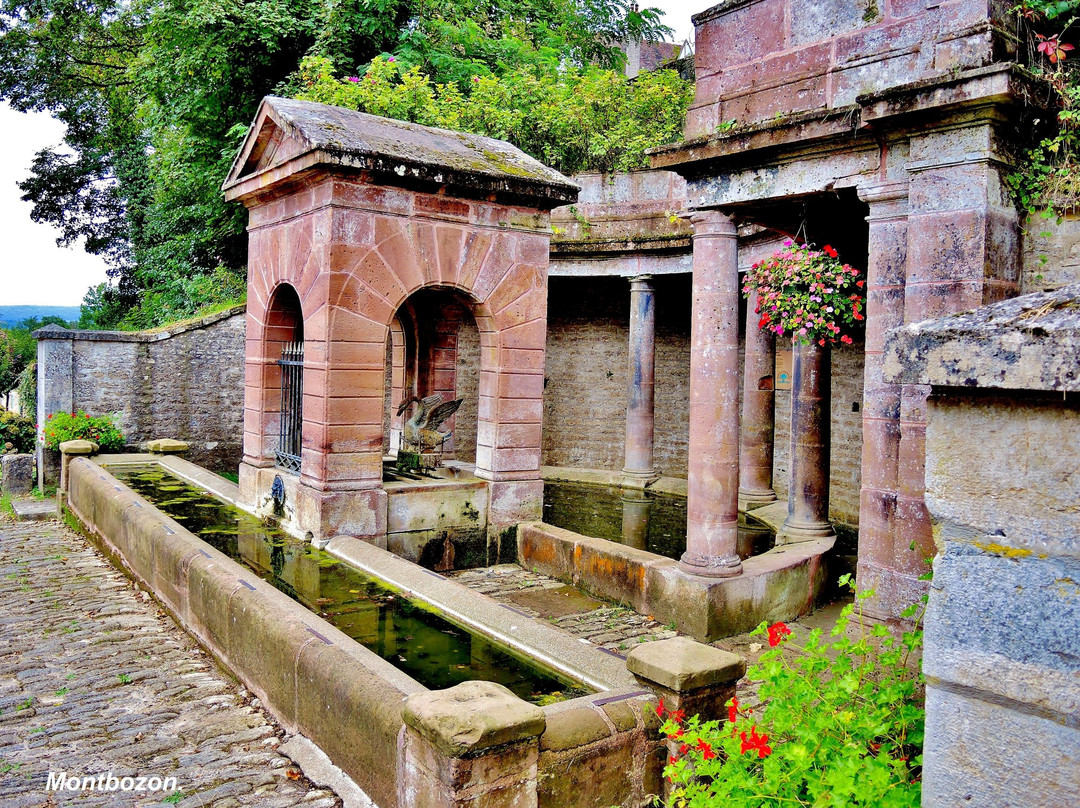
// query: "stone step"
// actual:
[[33, 510]]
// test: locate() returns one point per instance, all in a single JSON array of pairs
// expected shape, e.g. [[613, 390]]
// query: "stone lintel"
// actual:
[[469, 718], [1030, 342], [681, 664], [78, 447]]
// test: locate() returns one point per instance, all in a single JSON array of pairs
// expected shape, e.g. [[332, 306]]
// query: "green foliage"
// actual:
[[842, 726], [571, 118], [156, 94], [101, 429], [28, 390], [18, 430], [1048, 179]]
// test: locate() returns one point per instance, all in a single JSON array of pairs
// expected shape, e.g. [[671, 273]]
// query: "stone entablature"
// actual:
[[760, 59]]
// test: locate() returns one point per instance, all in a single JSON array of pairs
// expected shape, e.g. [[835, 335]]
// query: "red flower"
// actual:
[[684, 749], [733, 710], [829, 251], [660, 708], [755, 743], [678, 734], [860, 284], [777, 632], [673, 760], [846, 339], [677, 715]]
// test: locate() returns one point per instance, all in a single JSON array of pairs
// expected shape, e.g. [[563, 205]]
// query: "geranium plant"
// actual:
[[807, 294], [842, 724], [101, 429]]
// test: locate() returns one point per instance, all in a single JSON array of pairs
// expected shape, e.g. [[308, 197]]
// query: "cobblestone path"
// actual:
[[94, 679]]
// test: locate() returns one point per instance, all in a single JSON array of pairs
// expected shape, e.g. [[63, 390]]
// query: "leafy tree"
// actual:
[[156, 95]]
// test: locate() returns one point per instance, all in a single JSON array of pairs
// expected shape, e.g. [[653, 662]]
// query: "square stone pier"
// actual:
[[350, 216]]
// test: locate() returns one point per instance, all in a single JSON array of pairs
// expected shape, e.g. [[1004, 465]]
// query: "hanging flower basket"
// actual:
[[808, 295]]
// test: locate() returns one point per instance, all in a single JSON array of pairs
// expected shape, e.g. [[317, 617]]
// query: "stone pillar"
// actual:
[[712, 505], [56, 379], [756, 432], [473, 744], [808, 492], [18, 475], [689, 676], [640, 383], [70, 449], [885, 278]]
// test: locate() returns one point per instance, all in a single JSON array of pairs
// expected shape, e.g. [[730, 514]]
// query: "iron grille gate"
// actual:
[[287, 455]]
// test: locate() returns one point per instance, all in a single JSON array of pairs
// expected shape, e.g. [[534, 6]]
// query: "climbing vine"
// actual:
[[1048, 180]]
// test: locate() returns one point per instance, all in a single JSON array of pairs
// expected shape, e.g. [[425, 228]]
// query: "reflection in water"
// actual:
[[409, 634], [635, 519], [641, 519]]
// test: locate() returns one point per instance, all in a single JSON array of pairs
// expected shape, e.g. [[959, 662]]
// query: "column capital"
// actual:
[[887, 200], [713, 222], [641, 283]]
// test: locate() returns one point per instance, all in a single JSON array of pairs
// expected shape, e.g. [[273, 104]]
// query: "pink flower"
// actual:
[[353, 78], [391, 59]]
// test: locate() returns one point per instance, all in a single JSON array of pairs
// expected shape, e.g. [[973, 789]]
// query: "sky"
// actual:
[[34, 271]]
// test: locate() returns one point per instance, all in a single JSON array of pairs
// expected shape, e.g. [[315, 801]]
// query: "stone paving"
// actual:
[[95, 678]]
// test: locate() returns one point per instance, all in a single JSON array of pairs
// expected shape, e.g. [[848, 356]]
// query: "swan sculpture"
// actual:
[[421, 432]]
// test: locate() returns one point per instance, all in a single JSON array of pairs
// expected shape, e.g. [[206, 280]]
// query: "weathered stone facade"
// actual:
[[878, 128], [1002, 658], [183, 382]]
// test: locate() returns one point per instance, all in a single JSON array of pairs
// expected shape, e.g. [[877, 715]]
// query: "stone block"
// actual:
[[78, 447], [167, 446], [680, 664], [18, 474], [472, 717]]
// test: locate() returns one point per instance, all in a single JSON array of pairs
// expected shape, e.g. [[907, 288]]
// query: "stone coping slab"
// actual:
[[401, 152], [680, 664], [166, 446], [53, 331], [1030, 342], [546, 644], [472, 716], [78, 447]]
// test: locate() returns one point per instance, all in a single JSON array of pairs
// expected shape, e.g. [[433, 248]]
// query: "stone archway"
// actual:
[[357, 232]]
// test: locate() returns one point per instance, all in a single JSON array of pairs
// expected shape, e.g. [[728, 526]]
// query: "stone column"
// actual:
[[885, 273], [55, 393], [756, 433], [640, 383], [808, 493], [712, 518]]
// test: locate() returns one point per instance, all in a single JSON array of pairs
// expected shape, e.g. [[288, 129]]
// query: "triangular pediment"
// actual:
[[270, 141]]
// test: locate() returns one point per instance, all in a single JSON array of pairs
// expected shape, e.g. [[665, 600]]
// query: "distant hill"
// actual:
[[13, 315]]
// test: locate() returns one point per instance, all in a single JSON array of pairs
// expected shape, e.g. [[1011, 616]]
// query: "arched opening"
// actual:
[[283, 344], [433, 348]]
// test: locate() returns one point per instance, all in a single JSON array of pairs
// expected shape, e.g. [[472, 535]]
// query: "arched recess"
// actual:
[[434, 348], [281, 354]]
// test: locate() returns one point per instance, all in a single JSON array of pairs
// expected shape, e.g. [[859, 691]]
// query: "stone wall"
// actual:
[[1002, 658], [1051, 256], [183, 382], [585, 372]]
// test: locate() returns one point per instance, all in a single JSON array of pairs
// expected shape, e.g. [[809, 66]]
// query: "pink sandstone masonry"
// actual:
[[337, 224]]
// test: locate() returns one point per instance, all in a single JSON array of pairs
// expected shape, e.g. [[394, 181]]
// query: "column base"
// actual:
[[792, 534], [633, 478], [749, 500], [705, 566]]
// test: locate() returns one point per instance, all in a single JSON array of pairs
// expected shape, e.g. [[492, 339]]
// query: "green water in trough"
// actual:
[[409, 635], [645, 520]]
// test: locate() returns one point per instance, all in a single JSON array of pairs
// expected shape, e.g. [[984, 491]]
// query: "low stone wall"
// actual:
[[778, 585], [1002, 658], [185, 381], [312, 677]]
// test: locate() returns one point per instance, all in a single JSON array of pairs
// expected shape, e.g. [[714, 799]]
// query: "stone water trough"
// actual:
[[473, 744]]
